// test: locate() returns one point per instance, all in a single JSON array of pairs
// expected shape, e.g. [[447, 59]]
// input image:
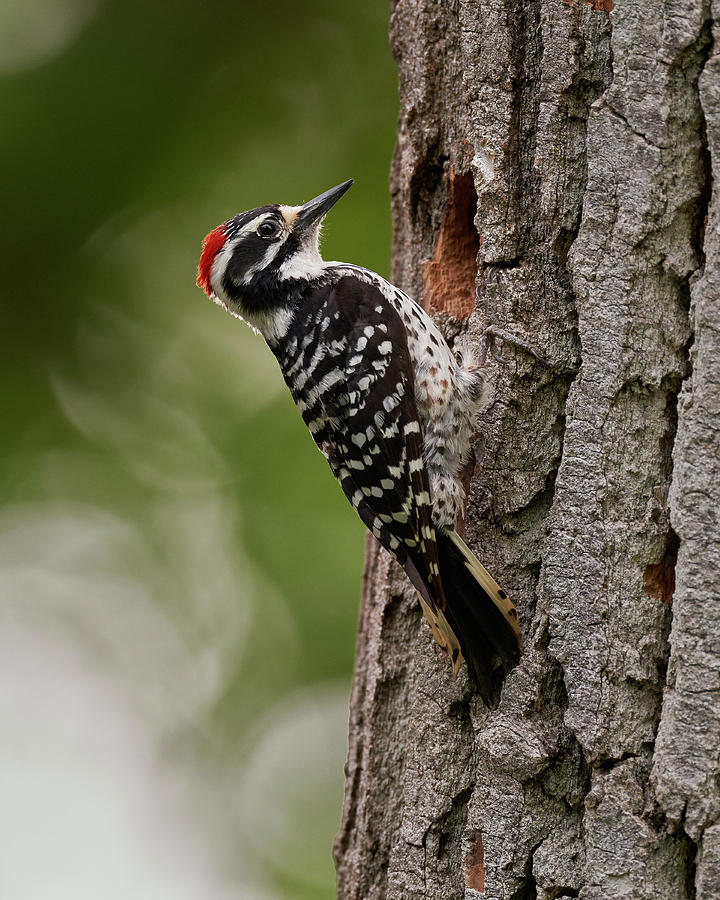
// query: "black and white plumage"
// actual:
[[386, 401]]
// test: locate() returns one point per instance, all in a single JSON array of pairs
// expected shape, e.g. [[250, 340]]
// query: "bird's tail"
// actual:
[[479, 613]]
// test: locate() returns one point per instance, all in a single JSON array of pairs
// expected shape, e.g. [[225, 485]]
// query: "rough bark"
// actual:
[[553, 180]]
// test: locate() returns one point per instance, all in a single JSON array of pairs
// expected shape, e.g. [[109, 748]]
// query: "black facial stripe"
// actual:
[[291, 246], [249, 252]]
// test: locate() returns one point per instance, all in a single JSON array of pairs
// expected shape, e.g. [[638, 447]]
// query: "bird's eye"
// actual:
[[268, 230]]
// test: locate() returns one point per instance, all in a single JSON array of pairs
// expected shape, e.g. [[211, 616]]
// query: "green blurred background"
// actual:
[[179, 572]]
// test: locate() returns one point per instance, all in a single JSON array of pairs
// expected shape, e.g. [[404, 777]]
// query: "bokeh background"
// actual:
[[179, 573]]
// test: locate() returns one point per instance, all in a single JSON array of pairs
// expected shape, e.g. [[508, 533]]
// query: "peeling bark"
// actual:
[[583, 137]]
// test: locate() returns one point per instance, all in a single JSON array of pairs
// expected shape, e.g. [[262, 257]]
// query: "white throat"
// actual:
[[306, 263]]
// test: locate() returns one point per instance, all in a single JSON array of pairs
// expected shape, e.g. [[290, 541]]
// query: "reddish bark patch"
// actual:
[[659, 578], [449, 277], [475, 864], [660, 581], [605, 6]]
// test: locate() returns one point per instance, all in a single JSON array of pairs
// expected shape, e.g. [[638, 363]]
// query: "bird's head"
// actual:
[[249, 262]]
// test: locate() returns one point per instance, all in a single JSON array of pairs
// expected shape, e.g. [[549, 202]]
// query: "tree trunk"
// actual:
[[553, 180]]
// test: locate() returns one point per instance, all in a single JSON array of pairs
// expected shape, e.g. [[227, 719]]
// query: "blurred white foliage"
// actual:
[[31, 33], [88, 576], [128, 603], [88, 807], [284, 795]]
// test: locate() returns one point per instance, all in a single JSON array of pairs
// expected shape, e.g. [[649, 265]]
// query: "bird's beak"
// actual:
[[315, 209]]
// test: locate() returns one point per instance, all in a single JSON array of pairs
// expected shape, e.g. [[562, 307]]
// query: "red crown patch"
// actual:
[[211, 246]]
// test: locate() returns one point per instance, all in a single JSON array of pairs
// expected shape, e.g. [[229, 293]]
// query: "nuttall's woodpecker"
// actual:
[[386, 401]]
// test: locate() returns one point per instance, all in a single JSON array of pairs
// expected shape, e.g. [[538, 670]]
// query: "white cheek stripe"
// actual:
[[220, 263]]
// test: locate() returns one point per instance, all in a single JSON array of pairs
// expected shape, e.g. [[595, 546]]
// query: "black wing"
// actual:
[[354, 384]]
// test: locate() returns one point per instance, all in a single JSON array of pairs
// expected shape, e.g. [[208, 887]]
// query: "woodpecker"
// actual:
[[388, 404]]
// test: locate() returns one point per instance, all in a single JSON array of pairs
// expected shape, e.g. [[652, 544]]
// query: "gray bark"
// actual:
[[553, 180]]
